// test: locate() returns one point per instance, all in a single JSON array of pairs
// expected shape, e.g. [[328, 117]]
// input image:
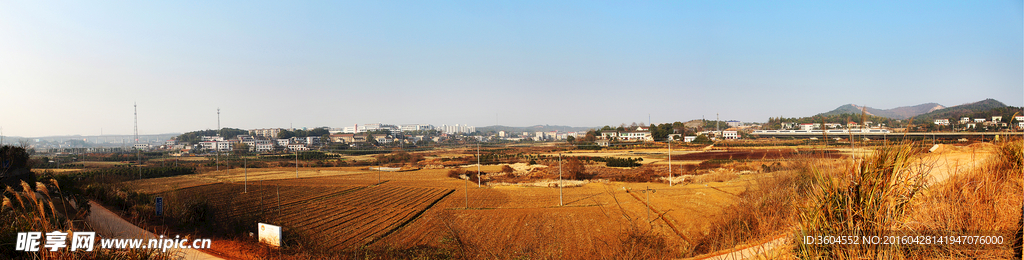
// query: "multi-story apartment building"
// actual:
[[266, 132]]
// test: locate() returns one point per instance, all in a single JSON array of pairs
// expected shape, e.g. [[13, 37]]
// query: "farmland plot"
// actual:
[[334, 217]]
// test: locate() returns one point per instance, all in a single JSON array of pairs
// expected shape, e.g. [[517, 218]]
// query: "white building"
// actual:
[[208, 145], [730, 135], [309, 140], [351, 129], [215, 145], [734, 123], [212, 138], [284, 142], [689, 138], [267, 147], [266, 132], [635, 136], [942, 121], [297, 147], [457, 129], [383, 139], [416, 127], [224, 145]]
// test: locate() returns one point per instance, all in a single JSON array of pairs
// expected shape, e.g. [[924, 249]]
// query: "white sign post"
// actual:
[[270, 234]]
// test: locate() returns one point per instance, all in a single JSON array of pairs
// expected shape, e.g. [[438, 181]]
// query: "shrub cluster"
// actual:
[[623, 162]]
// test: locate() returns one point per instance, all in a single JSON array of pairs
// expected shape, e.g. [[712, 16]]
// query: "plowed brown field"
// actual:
[[336, 216]]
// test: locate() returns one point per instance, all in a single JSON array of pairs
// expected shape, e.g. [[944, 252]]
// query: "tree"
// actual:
[[370, 139], [702, 139], [195, 137], [319, 131], [382, 131], [326, 139], [285, 134], [591, 136], [15, 167], [574, 169], [241, 149], [570, 139]]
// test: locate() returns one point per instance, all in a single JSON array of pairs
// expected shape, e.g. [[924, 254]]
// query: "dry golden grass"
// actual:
[[887, 193], [715, 177]]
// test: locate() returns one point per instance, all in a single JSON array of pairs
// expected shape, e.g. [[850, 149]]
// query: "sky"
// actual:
[[71, 68]]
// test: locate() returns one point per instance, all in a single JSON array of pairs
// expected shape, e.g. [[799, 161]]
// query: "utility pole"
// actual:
[[670, 162], [648, 192], [245, 165], [216, 146], [559, 179], [478, 164], [138, 153], [466, 188], [297, 165]]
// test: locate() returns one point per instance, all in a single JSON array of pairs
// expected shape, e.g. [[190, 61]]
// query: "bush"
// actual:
[[399, 157], [849, 200], [473, 177], [575, 170], [623, 162]]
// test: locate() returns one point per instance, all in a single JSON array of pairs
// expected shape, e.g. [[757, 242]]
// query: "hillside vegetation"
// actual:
[[894, 113], [981, 109]]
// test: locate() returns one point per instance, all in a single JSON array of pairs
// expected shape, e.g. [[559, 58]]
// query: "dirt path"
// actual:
[[754, 251], [110, 225], [948, 160]]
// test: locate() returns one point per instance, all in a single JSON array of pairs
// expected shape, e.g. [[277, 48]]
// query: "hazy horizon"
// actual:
[[77, 68]]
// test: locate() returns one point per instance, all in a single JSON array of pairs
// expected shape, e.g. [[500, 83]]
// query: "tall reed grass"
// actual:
[[886, 193], [36, 211], [859, 198]]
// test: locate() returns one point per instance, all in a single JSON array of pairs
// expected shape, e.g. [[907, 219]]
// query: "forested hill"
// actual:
[[894, 113], [981, 109]]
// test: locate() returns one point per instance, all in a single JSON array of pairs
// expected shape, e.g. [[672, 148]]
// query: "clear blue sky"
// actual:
[[77, 67]]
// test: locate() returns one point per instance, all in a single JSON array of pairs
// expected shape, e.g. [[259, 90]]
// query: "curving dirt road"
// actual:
[[110, 225]]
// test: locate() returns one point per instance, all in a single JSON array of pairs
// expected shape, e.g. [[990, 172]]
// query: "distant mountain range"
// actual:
[[929, 111], [894, 113]]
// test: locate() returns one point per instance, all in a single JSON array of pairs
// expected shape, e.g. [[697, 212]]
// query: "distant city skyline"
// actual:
[[78, 67]]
